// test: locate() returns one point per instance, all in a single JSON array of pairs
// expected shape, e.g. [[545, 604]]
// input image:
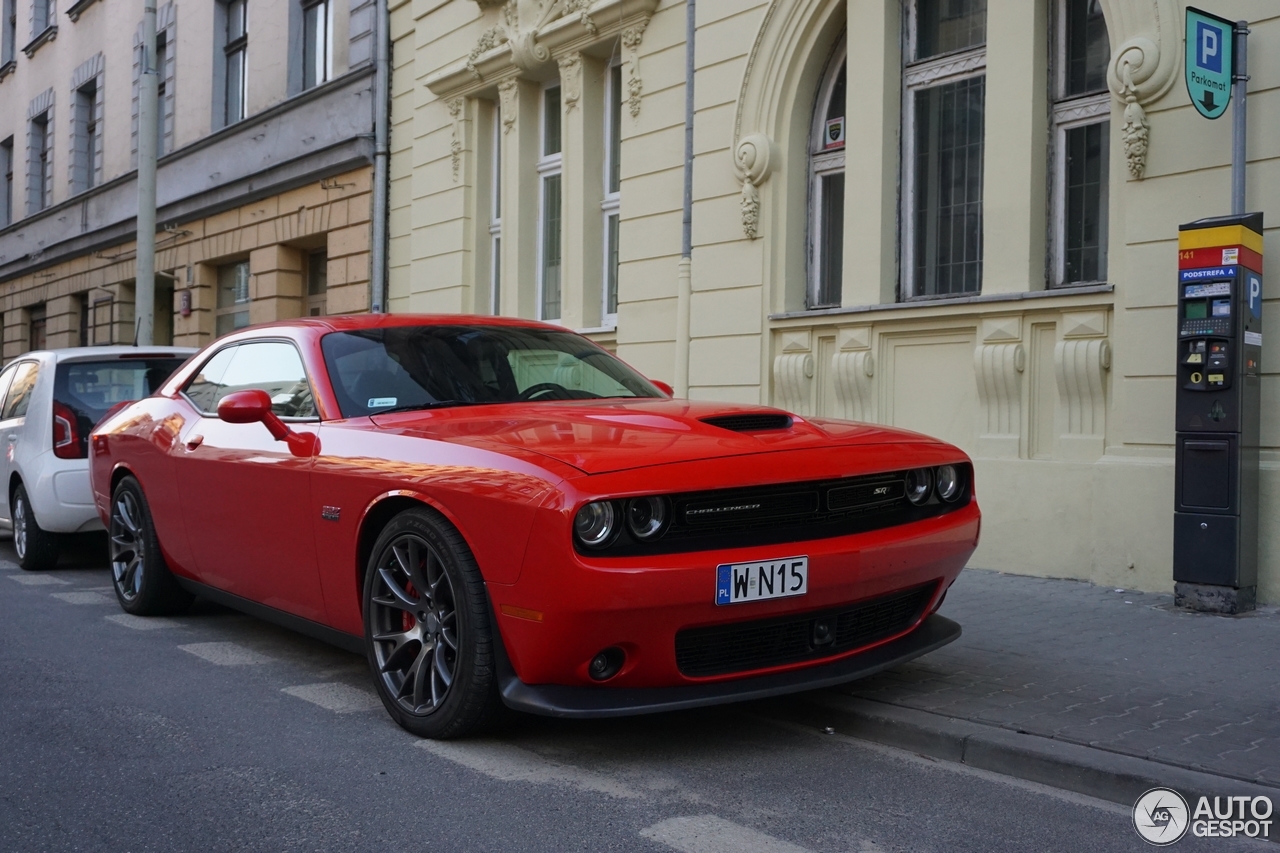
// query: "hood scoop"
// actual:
[[753, 422]]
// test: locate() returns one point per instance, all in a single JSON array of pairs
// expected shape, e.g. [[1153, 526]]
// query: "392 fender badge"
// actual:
[[330, 513]]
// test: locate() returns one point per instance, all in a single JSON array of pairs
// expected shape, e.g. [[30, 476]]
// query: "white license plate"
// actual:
[[739, 582]]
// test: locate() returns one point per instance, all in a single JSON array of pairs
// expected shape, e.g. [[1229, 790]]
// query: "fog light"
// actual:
[[606, 664], [822, 633]]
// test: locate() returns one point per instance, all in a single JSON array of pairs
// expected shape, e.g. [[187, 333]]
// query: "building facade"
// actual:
[[263, 180], [955, 216]]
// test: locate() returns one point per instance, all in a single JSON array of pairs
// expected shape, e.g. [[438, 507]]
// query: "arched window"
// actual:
[[826, 187]]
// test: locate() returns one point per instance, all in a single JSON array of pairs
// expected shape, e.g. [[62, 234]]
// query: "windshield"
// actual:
[[419, 367]]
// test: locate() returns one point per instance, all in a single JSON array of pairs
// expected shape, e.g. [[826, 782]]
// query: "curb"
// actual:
[[1096, 773]]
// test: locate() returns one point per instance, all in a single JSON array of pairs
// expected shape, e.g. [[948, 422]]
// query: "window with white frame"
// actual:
[[944, 115], [317, 42], [1081, 142], [235, 49], [9, 35], [86, 136], [6, 163], [43, 16], [495, 216], [232, 311], [611, 206], [826, 188], [40, 162], [550, 218]]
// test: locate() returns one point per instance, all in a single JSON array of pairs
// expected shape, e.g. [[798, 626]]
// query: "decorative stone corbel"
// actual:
[[754, 159], [793, 371], [631, 38], [998, 368], [455, 143], [507, 96], [1081, 366], [570, 80], [1143, 66], [852, 369]]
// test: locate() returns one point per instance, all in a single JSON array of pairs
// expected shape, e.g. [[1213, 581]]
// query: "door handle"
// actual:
[[194, 442]]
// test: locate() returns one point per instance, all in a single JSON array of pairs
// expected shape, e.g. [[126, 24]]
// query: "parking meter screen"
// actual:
[[1197, 310]]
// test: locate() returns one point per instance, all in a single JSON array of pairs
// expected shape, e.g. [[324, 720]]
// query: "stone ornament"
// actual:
[[1143, 68], [507, 96], [570, 80], [455, 142], [631, 38], [754, 159]]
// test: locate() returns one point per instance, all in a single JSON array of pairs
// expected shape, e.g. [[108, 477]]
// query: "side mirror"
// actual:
[[663, 387], [254, 406]]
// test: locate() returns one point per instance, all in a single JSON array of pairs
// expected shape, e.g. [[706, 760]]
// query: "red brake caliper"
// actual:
[[406, 618]]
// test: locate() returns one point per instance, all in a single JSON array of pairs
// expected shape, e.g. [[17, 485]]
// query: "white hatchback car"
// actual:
[[52, 399]]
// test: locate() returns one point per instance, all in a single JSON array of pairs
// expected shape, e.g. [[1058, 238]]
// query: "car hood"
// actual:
[[598, 436]]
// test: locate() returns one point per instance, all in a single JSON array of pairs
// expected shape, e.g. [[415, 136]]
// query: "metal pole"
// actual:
[[144, 306], [381, 147], [1240, 120], [684, 279]]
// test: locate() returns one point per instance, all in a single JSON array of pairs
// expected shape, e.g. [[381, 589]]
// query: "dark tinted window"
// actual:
[[271, 366], [19, 396], [376, 370], [90, 388]]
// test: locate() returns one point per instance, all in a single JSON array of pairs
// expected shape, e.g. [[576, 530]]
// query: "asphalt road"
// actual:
[[214, 731]]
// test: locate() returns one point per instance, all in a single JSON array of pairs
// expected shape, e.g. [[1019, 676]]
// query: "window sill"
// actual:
[[8, 68], [50, 33], [77, 9], [947, 301]]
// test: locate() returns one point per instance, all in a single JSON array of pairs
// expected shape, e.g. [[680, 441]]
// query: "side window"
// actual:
[[274, 367], [19, 397], [203, 389], [5, 378]]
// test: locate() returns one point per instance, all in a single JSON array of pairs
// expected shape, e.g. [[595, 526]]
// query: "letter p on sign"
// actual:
[[1210, 40]]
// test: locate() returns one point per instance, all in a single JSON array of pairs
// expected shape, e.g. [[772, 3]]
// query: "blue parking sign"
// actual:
[[1210, 65]]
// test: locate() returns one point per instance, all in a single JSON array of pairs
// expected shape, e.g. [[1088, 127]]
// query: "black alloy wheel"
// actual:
[[37, 548], [141, 578], [427, 629]]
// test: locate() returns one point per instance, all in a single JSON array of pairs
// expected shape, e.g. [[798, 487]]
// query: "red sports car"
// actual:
[[497, 511]]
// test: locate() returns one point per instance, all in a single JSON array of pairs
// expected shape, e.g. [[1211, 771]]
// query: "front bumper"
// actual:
[[586, 702]]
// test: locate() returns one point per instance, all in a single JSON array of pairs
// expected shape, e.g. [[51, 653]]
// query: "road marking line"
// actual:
[[512, 764], [37, 580], [226, 654], [339, 698], [711, 834], [142, 623], [83, 597]]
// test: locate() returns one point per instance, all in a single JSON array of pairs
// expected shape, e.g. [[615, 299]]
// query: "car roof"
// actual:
[[353, 322], [68, 354]]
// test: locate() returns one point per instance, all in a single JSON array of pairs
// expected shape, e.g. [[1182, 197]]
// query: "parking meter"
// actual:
[[1215, 531]]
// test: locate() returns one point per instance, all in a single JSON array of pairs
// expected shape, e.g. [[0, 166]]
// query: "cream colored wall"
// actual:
[[193, 107], [1064, 398]]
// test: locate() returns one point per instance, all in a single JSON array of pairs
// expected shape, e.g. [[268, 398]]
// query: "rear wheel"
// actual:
[[142, 580], [427, 629], [36, 547]]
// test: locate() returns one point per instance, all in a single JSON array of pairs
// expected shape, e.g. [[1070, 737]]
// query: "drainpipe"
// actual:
[[684, 286], [144, 286], [381, 147]]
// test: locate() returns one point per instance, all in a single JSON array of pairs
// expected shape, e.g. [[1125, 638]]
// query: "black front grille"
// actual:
[[743, 646], [750, 423]]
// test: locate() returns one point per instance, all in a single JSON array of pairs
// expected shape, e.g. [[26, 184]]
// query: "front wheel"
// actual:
[[142, 580], [427, 629], [37, 548]]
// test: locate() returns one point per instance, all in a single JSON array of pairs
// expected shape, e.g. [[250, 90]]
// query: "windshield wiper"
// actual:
[[420, 407]]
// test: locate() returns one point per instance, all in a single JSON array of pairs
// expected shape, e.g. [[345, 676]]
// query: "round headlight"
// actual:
[[647, 517], [595, 524], [919, 485], [949, 483]]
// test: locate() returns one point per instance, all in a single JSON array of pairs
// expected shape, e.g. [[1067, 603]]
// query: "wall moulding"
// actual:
[[1146, 54], [529, 33], [999, 369]]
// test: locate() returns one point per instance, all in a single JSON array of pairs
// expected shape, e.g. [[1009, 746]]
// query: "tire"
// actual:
[[143, 583], [432, 655], [37, 548]]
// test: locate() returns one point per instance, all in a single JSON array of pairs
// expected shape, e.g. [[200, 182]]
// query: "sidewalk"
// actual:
[[1118, 672]]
